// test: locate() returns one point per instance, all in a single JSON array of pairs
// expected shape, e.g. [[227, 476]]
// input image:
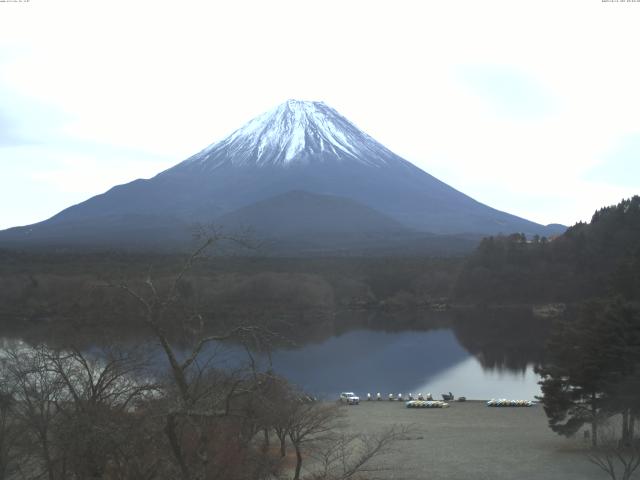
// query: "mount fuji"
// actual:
[[299, 171]]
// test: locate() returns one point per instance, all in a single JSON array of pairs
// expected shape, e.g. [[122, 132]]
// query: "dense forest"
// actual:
[[588, 260], [57, 292]]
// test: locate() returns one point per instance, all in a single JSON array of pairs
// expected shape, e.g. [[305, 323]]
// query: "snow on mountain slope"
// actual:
[[298, 146], [294, 132]]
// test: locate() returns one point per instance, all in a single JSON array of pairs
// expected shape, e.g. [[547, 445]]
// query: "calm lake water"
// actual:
[[404, 362], [479, 355], [408, 362]]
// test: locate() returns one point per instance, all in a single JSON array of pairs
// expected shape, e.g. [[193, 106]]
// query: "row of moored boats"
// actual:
[[401, 397]]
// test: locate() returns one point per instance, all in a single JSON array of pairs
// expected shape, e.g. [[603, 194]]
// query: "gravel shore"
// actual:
[[470, 441]]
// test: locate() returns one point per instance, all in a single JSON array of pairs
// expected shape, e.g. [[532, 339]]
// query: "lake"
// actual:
[[369, 361], [400, 362], [471, 353]]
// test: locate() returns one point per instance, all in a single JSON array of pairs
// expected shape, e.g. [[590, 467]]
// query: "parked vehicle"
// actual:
[[349, 398]]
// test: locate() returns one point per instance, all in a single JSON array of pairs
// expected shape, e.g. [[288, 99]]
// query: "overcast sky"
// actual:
[[532, 107]]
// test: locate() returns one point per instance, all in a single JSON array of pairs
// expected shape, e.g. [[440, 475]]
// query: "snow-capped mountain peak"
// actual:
[[296, 131], [300, 173]]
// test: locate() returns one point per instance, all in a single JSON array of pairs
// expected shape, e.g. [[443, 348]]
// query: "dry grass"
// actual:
[[471, 441]]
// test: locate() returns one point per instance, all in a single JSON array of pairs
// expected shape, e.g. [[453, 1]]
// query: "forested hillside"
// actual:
[[68, 290], [591, 259]]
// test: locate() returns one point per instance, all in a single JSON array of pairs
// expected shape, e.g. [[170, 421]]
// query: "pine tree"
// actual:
[[592, 369]]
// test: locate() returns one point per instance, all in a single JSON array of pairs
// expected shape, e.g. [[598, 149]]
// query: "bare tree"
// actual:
[[37, 395], [310, 422], [198, 395], [10, 433], [348, 456], [617, 458], [101, 392], [74, 411], [278, 403]]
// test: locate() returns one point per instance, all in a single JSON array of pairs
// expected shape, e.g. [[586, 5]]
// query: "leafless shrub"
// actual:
[[618, 459], [351, 456]]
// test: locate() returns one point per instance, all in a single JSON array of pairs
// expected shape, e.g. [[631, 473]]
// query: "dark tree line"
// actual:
[[56, 292], [591, 372], [595, 259]]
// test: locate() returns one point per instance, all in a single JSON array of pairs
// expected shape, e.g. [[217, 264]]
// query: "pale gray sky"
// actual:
[[531, 107]]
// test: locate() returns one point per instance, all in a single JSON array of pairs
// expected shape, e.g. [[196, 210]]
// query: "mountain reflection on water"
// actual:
[[472, 353], [410, 361], [475, 353]]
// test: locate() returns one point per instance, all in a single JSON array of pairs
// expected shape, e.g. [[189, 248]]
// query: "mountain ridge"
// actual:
[[297, 146]]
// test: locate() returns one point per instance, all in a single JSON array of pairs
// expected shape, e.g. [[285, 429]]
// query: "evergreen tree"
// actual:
[[592, 369], [623, 350], [597, 259]]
